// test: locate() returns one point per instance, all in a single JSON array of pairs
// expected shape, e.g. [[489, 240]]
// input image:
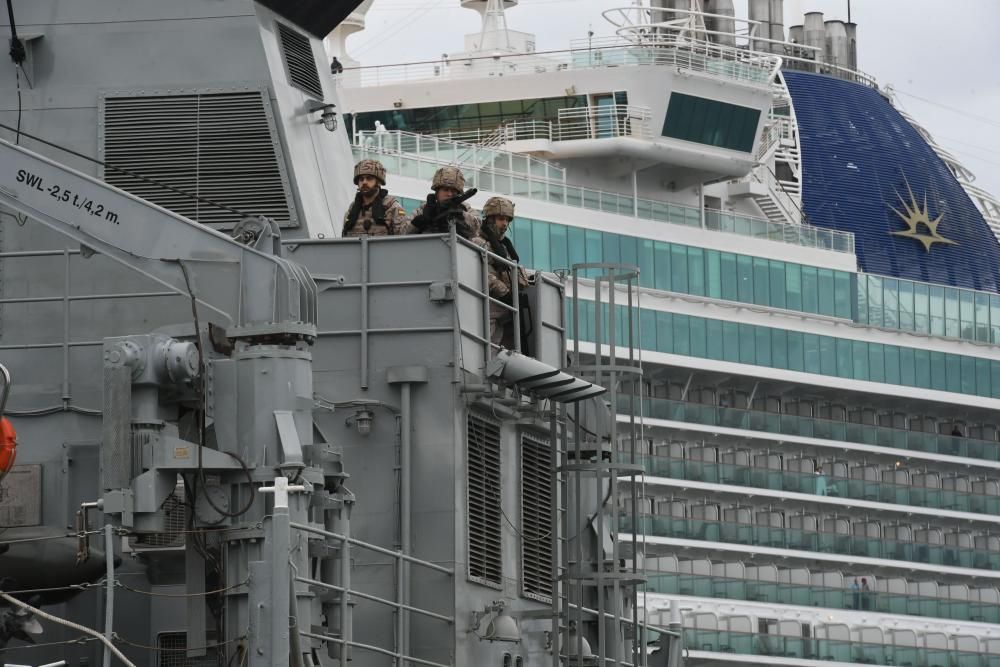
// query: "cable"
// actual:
[[127, 172], [50, 537], [404, 22], [71, 587], [79, 640], [182, 595], [119, 638], [984, 119], [55, 409], [69, 624], [17, 133]]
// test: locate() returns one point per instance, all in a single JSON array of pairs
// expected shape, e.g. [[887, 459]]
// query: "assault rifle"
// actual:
[[438, 217]]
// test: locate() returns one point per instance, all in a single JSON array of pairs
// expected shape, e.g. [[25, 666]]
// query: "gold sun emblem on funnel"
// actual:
[[917, 215]]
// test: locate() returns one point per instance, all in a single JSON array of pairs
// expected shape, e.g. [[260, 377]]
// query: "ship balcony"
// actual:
[[508, 173]]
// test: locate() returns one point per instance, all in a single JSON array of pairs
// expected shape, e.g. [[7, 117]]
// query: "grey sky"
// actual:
[[935, 54]]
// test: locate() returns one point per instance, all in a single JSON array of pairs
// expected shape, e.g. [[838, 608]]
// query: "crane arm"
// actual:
[[259, 293]]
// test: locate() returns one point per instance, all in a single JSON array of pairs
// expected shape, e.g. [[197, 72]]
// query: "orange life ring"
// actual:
[[8, 446]]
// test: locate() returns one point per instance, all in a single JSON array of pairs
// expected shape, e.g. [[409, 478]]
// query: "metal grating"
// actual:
[[221, 147], [175, 523], [483, 475], [172, 649], [300, 63], [536, 517]]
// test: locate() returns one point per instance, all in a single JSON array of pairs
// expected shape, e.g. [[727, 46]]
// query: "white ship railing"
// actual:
[[527, 179], [595, 122], [703, 57]]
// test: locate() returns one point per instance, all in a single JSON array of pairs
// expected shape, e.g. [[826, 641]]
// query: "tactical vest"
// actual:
[[378, 212]]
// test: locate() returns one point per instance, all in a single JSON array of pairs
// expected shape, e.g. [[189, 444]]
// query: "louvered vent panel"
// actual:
[[300, 62], [536, 513], [485, 565], [218, 146]]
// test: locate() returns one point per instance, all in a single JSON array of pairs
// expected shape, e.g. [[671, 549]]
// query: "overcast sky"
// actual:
[[941, 56]]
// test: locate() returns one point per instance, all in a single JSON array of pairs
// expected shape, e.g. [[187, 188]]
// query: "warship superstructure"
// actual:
[[751, 419]]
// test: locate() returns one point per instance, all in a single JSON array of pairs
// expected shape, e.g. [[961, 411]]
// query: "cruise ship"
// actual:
[[811, 294]]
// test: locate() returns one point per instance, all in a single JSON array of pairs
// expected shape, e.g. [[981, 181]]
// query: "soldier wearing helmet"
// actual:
[[498, 212], [374, 212], [439, 211]]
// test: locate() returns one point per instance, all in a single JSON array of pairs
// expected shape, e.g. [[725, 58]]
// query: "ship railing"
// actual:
[[703, 57], [445, 150], [526, 184], [592, 122], [402, 609]]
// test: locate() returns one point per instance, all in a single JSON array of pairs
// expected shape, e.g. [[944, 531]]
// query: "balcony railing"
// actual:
[[823, 429], [732, 532], [820, 485], [521, 176], [704, 57], [773, 592], [811, 648], [596, 122]]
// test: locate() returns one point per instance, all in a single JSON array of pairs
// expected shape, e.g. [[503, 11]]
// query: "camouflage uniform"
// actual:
[[383, 216], [501, 329], [445, 177]]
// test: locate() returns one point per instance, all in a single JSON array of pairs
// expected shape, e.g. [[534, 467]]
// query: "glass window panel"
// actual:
[[763, 346], [744, 278], [843, 294], [595, 246], [793, 286], [952, 327], [612, 250], [779, 348], [876, 362], [890, 302], [937, 301], [876, 315], [892, 373], [994, 319], [662, 262], [982, 317], [576, 245], [716, 341], [713, 274], [664, 322], [953, 373], [525, 237], [699, 344], [647, 273], [859, 354], [907, 367], [983, 387], [678, 269], [520, 186], [968, 375], [810, 289], [777, 283], [796, 351], [647, 325], [541, 251], [906, 321], [864, 316], [828, 355], [748, 344], [730, 341], [761, 281], [845, 365], [967, 315], [939, 376], [696, 271], [557, 244], [921, 308], [811, 353], [995, 379], [730, 281], [681, 333], [629, 251], [826, 299], [922, 364]]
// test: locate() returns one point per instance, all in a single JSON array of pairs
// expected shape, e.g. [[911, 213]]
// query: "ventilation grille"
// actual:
[[175, 523], [485, 565], [300, 62], [219, 146], [172, 649], [536, 517]]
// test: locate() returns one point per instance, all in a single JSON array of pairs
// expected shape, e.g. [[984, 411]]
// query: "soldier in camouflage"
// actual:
[[374, 211], [498, 213], [436, 214]]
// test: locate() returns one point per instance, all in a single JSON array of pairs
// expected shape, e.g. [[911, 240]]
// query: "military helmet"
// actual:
[[498, 206], [448, 177], [369, 168]]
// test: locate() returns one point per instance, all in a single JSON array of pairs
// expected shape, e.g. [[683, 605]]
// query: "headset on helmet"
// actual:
[[448, 177], [369, 168]]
